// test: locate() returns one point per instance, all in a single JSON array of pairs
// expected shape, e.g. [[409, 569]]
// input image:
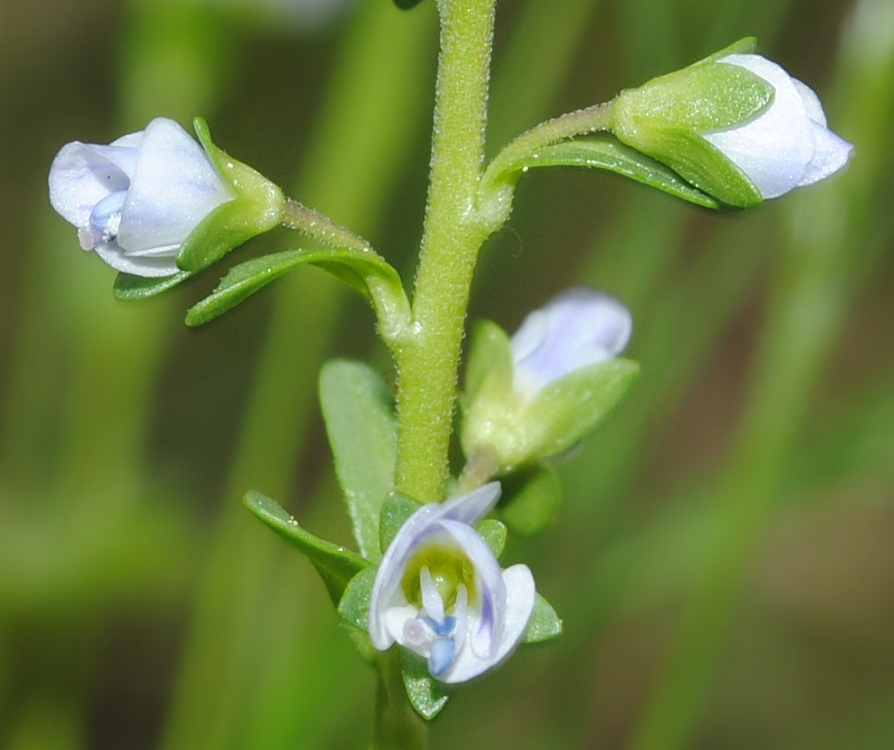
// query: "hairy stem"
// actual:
[[454, 232]]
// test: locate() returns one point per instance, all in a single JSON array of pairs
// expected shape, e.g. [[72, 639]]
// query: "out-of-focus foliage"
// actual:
[[723, 557]]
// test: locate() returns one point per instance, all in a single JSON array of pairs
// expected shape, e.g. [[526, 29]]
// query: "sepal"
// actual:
[[545, 624], [257, 208]]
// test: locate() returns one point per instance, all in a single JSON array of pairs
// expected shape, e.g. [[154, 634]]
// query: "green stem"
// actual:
[[454, 232], [398, 726], [321, 228]]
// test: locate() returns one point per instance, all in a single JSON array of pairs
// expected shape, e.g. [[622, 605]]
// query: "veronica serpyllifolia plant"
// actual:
[[424, 597]]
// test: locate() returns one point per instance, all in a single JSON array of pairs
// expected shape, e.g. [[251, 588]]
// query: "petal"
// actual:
[[831, 155], [774, 148], [485, 630], [579, 328], [472, 506], [83, 174], [173, 189], [811, 102], [520, 598], [393, 620], [138, 266], [419, 526]]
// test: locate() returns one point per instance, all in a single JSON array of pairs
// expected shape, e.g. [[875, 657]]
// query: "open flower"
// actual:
[[787, 145], [137, 200], [579, 328], [440, 592]]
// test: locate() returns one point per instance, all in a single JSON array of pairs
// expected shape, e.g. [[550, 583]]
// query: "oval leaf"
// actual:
[[336, 565], [359, 413]]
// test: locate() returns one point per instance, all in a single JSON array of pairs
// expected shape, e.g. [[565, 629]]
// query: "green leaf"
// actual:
[[336, 565], [607, 153], [359, 414], [129, 288], [427, 695], [376, 278], [396, 509], [353, 609], [224, 229], [531, 499], [545, 623], [494, 533]]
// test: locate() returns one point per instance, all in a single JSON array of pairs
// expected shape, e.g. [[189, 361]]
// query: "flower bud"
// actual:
[[539, 393], [735, 125], [139, 200]]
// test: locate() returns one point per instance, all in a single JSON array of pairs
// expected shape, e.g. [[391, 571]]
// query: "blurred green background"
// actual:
[[724, 560]]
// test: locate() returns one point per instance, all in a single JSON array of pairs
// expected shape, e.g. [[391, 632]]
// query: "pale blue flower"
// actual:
[[579, 328], [136, 200], [440, 592]]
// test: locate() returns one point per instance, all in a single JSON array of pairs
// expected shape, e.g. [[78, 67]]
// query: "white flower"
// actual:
[[440, 592], [788, 145], [580, 327], [136, 200]]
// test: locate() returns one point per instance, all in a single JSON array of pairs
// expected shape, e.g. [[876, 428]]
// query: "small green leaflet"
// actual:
[[545, 623], [130, 288], [336, 565], [355, 267]]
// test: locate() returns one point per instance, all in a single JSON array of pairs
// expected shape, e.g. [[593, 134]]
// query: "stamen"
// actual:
[[105, 218], [431, 597], [443, 652]]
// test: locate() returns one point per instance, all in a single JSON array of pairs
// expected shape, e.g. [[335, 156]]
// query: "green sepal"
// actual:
[[545, 623], [130, 288], [564, 411], [494, 533], [598, 152], [531, 499], [490, 360], [703, 165], [427, 695], [702, 97], [363, 270], [359, 413], [336, 565], [395, 511], [353, 609], [745, 46], [256, 208]]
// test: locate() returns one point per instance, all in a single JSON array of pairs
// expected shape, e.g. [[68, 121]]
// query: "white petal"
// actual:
[[811, 102], [473, 506], [416, 529], [831, 155], [139, 266], [579, 328], [775, 147], [393, 621], [173, 189], [485, 630], [83, 174], [520, 598]]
